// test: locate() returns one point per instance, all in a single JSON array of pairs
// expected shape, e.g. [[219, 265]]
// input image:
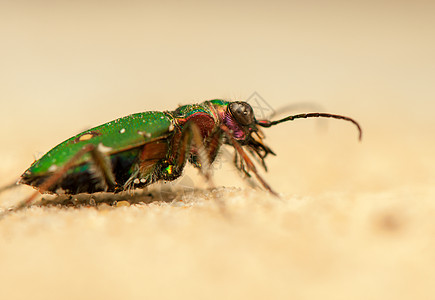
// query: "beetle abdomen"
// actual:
[[86, 178]]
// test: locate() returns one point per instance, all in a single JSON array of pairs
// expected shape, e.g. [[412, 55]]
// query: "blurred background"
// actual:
[[66, 66]]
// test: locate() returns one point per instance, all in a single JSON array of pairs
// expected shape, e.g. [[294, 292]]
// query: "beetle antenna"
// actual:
[[293, 108], [267, 123]]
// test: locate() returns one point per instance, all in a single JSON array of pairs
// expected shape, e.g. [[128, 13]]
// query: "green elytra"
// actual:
[[112, 137], [142, 148]]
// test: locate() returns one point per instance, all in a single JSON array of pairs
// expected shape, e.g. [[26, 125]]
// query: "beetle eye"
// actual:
[[242, 112]]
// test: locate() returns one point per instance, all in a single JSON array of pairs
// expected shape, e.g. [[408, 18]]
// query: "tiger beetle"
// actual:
[[143, 148]]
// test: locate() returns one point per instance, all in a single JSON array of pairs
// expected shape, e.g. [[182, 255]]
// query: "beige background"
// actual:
[[356, 220]]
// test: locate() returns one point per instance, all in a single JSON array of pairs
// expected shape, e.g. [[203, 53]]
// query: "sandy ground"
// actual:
[[354, 220]]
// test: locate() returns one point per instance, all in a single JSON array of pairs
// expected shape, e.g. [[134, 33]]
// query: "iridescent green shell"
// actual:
[[113, 137]]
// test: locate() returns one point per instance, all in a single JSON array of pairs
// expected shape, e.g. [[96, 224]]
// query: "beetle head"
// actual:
[[240, 119], [242, 112]]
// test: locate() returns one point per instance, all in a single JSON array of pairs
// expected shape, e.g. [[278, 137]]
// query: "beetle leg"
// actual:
[[244, 156], [210, 148], [146, 170], [213, 144], [96, 156], [258, 157], [191, 135], [104, 166], [240, 165], [204, 159]]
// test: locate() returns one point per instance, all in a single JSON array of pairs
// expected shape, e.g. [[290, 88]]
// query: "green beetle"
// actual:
[[140, 149]]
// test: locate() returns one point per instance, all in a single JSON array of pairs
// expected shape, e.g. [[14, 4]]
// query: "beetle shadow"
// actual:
[[139, 197]]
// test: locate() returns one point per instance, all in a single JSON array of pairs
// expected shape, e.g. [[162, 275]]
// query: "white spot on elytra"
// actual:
[[171, 127], [144, 133], [52, 168], [103, 148], [122, 130], [136, 181], [86, 137], [143, 180]]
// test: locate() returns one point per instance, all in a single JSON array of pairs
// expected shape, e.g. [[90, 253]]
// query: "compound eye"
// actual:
[[242, 112]]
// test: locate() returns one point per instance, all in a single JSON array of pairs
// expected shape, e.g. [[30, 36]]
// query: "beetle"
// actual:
[[143, 148]]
